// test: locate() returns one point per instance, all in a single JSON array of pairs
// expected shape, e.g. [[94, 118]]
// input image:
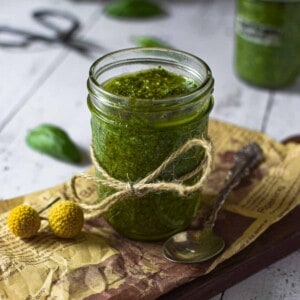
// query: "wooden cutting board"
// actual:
[[277, 242]]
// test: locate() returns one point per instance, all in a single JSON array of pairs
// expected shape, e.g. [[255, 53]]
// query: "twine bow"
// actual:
[[148, 183]]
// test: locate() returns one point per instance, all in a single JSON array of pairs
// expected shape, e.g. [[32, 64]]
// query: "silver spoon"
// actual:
[[200, 245]]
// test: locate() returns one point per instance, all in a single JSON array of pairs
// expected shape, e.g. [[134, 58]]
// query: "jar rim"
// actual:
[[205, 85]]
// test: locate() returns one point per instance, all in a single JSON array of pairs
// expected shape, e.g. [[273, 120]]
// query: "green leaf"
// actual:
[[53, 141], [149, 41], [133, 9]]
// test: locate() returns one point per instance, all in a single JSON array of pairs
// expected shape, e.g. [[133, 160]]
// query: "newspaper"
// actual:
[[101, 264]]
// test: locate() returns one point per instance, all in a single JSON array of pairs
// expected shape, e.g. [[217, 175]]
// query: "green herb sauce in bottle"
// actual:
[[267, 50]]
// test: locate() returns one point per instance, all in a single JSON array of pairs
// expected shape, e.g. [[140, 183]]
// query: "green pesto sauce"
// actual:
[[130, 145], [268, 42], [151, 84]]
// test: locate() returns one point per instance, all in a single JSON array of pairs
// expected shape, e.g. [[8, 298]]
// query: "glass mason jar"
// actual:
[[267, 43], [132, 137]]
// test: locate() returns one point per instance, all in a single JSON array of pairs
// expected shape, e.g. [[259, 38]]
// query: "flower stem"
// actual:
[[50, 204]]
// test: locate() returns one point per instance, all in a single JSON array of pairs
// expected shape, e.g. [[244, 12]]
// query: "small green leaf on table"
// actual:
[[133, 9], [149, 41], [53, 141]]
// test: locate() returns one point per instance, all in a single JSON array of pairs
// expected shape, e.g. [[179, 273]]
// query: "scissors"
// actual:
[[23, 38]]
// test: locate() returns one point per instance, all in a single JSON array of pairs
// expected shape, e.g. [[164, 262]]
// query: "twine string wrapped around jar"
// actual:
[[148, 183]]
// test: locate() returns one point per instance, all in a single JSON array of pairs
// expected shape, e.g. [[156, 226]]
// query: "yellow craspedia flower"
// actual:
[[24, 221], [66, 219]]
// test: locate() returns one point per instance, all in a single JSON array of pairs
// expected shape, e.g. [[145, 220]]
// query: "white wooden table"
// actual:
[[47, 84]]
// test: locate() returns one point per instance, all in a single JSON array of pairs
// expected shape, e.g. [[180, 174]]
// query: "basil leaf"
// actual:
[[53, 141], [149, 41], [133, 9]]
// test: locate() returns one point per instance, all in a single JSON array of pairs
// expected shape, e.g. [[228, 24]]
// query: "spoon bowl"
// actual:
[[193, 246]]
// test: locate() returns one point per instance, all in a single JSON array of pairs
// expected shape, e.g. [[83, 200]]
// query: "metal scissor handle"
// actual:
[[44, 17], [22, 38], [16, 37]]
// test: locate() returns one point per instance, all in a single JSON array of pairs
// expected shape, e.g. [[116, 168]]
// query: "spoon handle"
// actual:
[[245, 159]]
